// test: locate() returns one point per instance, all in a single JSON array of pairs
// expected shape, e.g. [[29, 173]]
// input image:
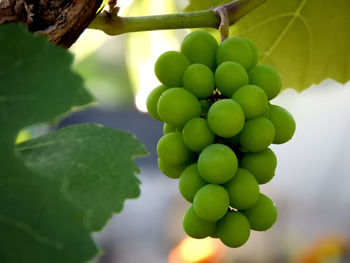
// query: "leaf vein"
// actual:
[[29, 230], [284, 31]]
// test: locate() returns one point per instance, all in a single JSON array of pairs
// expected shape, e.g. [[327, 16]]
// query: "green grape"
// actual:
[[243, 189], [217, 164], [197, 134], [170, 128], [257, 134], [211, 202], [172, 150], [190, 182], [195, 227], [267, 78], [230, 76], [252, 99], [171, 171], [199, 79], [267, 113], [200, 47], [283, 122], [176, 106], [261, 164], [226, 118], [234, 229], [235, 49], [253, 49], [169, 68], [262, 215], [152, 100]]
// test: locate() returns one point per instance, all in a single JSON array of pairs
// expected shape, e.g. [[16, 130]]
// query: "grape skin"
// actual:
[[243, 189], [170, 128], [172, 150], [176, 106], [169, 68], [171, 171], [252, 99], [190, 182], [229, 77], [262, 215], [197, 134], [152, 100], [211, 202], [199, 80], [257, 134], [234, 229], [261, 164], [195, 227], [226, 118], [217, 164], [283, 122], [253, 49], [267, 78], [200, 47], [235, 49]]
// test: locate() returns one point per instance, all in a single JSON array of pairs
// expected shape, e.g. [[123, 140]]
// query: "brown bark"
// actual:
[[62, 21]]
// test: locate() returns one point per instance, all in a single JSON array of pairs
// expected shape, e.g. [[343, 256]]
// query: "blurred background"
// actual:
[[312, 184]]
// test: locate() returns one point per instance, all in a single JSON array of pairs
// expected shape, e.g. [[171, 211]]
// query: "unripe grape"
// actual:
[[190, 182], [234, 229], [226, 118], [257, 134], [262, 215], [267, 78], [253, 49], [217, 164], [211, 202], [199, 80], [195, 227], [243, 189], [230, 76], [200, 47], [235, 49], [197, 134], [252, 99], [171, 171], [170, 67], [283, 122], [152, 100], [170, 128], [261, 164], [176, 106], [172, 150]]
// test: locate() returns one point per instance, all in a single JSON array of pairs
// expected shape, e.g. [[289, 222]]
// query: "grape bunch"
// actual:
[[218, 124]]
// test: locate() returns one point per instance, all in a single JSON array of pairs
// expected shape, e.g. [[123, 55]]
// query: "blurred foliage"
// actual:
[[106, 76]]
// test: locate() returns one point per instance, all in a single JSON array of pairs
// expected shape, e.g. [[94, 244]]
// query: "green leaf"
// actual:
[[37, 222], [307, 41], [195, 5], [94, 164]]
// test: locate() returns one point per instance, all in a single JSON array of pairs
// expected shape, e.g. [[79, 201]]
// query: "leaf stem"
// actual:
[[112, 24]]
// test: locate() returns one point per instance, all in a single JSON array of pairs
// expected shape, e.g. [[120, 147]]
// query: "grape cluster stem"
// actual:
[[224, 22], [113, 24]]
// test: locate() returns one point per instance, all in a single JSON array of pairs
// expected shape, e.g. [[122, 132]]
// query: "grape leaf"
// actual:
[[93, 162], [307, 41], [37, 223], [204, 4]]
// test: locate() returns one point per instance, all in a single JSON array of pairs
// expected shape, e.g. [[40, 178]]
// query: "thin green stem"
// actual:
[[112, 24]]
